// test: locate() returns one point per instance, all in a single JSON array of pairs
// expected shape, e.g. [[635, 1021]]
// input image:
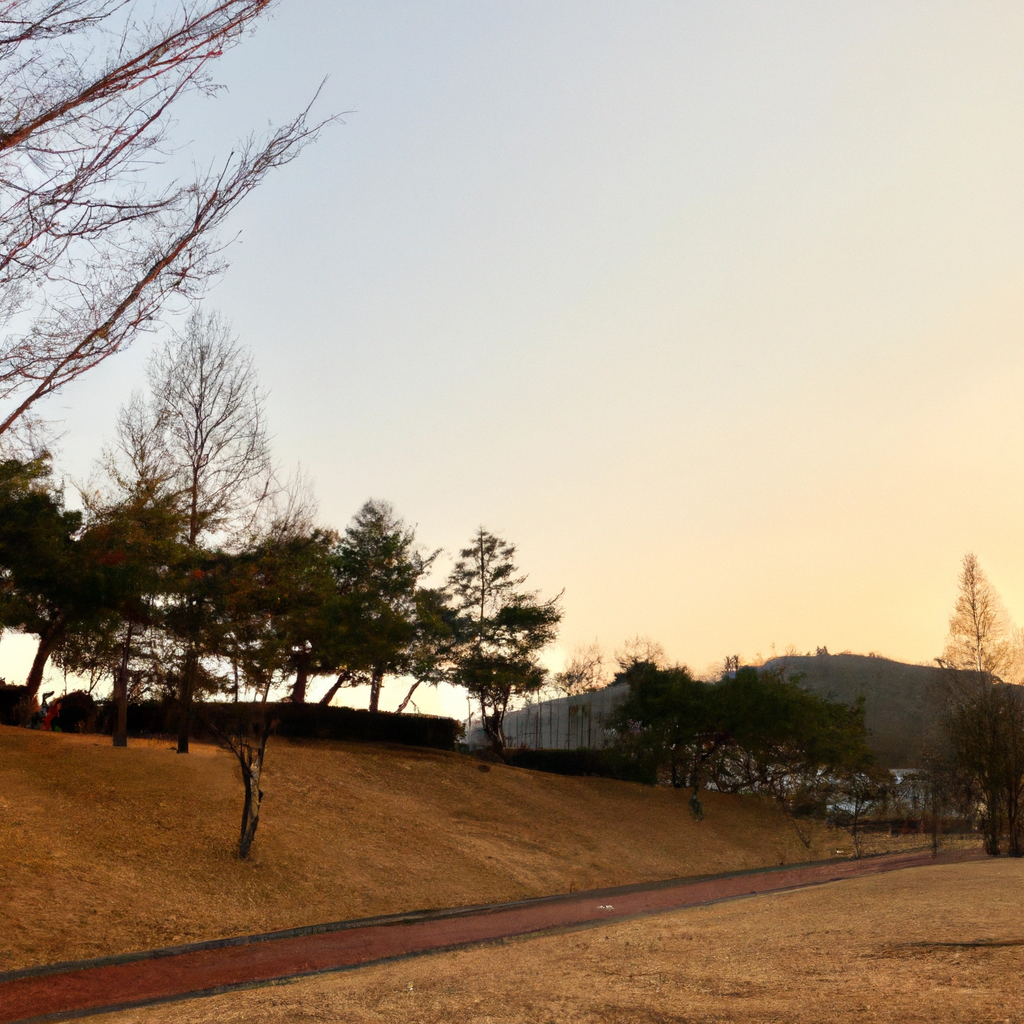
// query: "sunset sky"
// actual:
[[714, 309]]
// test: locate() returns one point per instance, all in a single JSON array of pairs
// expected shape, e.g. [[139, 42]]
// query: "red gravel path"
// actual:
[[61, 991]]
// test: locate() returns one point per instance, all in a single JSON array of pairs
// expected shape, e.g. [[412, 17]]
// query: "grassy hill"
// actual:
[[901, 706], [107, 850]]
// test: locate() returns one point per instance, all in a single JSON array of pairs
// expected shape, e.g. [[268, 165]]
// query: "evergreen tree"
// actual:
[[499, 629]]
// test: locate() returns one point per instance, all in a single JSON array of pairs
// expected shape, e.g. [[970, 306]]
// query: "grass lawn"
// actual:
[[107, 850], [899, 947]]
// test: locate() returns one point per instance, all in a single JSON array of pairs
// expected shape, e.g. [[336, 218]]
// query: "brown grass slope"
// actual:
[[106, 850], [901, 702]]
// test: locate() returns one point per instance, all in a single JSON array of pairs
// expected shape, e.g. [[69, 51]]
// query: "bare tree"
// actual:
[[204, 432], [983, 714], [208, 423], [639, 649], [584, 671], [861, 789], [90, 251], [980, 632], [245, 734]]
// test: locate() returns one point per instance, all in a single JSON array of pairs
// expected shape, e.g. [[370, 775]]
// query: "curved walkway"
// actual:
[[81, 988]]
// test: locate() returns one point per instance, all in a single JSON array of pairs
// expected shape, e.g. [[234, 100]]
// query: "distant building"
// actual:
[[565, 723]]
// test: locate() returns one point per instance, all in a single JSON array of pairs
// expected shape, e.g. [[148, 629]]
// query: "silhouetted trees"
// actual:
[[134, 541], [583, 672], [499, 628], [51, 582], [754, 731], [378, 572]]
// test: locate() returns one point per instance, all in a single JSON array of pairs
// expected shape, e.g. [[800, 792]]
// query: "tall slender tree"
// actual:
[[983, 715], [204, 427], [500, 628]]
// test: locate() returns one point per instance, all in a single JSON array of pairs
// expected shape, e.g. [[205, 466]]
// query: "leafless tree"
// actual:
[[203, 433], [90, 250], [207, 424], [246, 737], [980, 632], [287, 508], [984, 713], [584, 671], [638, 649]]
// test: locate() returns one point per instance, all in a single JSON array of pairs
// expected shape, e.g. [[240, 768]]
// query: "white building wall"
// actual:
[[566, 723]]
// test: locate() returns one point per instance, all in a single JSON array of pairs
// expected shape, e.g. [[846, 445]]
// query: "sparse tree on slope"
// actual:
[[252, 592]]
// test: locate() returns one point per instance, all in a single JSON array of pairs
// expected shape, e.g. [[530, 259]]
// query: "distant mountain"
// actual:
[[900, 701]]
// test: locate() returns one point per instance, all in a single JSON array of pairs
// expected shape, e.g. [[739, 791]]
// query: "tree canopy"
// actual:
[[752, 731], [499, 629]]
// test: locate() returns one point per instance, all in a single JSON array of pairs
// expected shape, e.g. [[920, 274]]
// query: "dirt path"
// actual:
[[62, 991]]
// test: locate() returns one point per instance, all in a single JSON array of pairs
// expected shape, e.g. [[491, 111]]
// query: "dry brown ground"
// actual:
[[106, 850], [864, 950]]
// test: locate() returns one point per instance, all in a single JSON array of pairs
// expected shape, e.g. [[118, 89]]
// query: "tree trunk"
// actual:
[[494, 728], [251, 807], [298, 694], [185, 693], [1013, 814], [376, 682], [48, 640], [992, 838], [121, 693], [408, 697], [338, 684]]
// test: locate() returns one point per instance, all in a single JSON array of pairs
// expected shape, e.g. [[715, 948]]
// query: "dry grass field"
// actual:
[[926, 944], [106, 850]]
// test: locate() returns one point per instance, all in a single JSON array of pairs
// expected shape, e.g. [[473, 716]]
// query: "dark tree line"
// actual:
[[753, 731], [191, 571], [122, 591]]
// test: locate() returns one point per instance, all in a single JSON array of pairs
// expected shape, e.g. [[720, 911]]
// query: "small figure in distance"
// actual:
[[39, 715], [696, 808]]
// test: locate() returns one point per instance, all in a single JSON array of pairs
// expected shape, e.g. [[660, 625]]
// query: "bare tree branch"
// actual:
[[89, 254]]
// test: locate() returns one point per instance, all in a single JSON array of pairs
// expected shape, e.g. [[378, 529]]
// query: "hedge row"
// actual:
[[10, 698], [608, 764], [309, 721]]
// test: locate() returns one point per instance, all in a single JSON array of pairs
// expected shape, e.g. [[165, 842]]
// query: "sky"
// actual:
[[714, 309]]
